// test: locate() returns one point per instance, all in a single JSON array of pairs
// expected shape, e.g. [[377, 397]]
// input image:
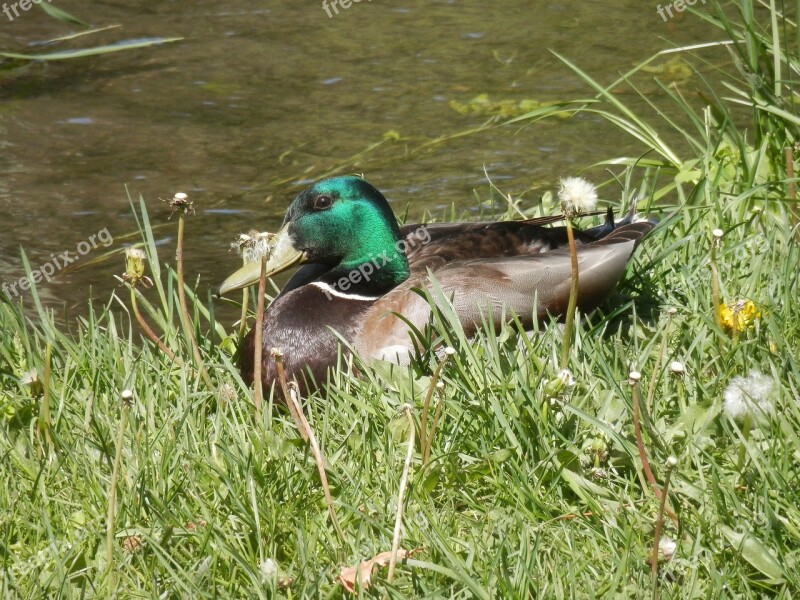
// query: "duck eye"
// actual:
[[322, 202]]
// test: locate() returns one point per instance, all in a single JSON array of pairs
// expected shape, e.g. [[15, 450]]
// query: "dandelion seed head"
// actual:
[[666, 548], [449, 350], [717, 233], [566, 377], [181, 203], [30, 377], [32, 381], [135, 253], [677, 368], [227, 393], [577, 195], [672, 462], [750, 396], [634, 376], [253, 245], [268, 568]]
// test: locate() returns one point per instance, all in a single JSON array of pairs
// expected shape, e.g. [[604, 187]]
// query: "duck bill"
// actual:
[[283, 256]]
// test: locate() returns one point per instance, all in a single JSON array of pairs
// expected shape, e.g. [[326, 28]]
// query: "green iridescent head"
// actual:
[[343, 223]]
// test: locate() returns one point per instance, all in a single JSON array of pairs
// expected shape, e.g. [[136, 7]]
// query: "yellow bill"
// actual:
[[281, 255]]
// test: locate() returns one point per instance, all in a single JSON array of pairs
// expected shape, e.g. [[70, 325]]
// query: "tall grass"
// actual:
[[526, 492]]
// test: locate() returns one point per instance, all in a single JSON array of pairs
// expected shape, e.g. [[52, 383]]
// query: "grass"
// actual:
[[530, 490]]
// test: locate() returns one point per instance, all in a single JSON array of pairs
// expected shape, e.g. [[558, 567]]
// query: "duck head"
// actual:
[[339, 225]]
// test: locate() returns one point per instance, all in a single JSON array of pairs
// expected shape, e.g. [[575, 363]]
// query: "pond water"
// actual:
[[262, 97]]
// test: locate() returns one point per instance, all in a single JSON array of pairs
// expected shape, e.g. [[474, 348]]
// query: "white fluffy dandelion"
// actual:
[[666, 548], [677, 368], [750, 396], [577, 195], [268, 568], [566, 378], [135, 253], [253, 245]]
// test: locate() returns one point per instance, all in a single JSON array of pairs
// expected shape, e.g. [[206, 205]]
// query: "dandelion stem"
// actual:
[[148, 331], [715, 294], [277, 356], [243, 318], [44, 414], [569, 323], [187, 321], [747, 425], [425, 440], [788, 154], [436, 415], [662, 505], [292, 397], [398, 521], [112, 491], [258, 391], [637, 430], [651, 389]]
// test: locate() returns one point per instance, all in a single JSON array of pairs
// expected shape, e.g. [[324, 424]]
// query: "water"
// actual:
[[262, 97]]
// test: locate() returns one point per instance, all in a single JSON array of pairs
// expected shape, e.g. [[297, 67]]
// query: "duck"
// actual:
[[360, 275]]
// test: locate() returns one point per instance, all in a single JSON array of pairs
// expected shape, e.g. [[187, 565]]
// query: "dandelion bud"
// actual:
[[134, 268]]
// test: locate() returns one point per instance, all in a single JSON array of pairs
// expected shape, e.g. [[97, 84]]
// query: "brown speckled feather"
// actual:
[[527, 285]]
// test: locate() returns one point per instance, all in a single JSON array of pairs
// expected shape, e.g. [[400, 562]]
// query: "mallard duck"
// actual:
[[361, 273]]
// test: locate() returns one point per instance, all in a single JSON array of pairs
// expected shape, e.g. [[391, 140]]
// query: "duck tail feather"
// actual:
[[632, 231]]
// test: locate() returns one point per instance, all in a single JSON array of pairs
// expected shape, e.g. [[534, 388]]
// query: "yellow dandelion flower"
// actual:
[[738, 316]]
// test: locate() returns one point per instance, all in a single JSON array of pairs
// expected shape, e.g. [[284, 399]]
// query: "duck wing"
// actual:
[[430, 246], [529, 286]]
